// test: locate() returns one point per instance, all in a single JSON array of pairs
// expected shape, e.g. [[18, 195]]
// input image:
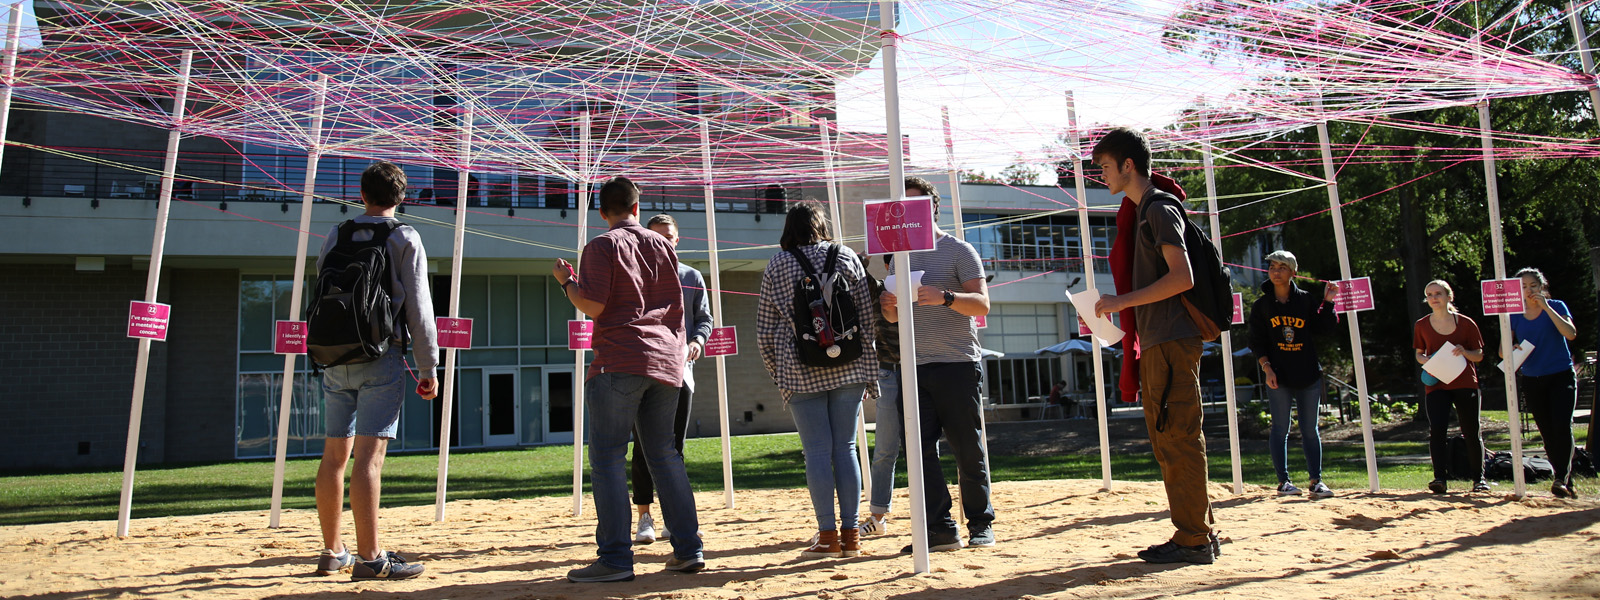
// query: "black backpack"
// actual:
[[1212, 294], [827, 326], [351, 320]]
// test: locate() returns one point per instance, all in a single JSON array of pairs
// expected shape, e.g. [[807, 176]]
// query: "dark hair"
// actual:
[[618, 196], [926, 187], [1123, 143], [662, 219], [1536, 274], [804, 226], [383, 184]]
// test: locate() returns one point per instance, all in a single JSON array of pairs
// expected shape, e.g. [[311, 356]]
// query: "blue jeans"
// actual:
[[1307, 401], [827, 424], [616, 401], [890, 436], [364, 398]]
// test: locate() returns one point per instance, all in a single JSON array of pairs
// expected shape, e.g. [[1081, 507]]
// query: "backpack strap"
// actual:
[[805, 263], [833, 259]]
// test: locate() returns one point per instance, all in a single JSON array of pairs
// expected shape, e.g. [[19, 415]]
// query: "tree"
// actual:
[[1020, 174]]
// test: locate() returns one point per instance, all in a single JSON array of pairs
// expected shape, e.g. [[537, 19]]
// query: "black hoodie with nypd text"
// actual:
[[1285, 332]]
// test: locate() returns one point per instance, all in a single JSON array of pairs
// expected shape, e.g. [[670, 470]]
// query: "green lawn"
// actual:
[[764, 461]]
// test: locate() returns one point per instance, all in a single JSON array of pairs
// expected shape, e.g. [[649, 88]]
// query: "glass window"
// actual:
[[503, 309]]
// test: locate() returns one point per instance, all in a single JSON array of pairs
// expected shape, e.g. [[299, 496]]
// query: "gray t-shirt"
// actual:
[[1167, 319], [942, 334]]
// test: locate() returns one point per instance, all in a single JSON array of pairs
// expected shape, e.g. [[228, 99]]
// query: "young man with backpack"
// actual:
[[628, 283], [1170, 332], [372, 275], [954, 290]]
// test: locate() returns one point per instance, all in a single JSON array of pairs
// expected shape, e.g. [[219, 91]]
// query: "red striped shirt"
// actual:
[[634, 273]]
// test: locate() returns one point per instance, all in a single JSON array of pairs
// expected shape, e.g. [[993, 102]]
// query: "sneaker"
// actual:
[[663, 534], [599, 573], [940, 542], [329, 563], [387, 566], [1480, 486], [685, 565], [1288, 489], [850, 542], [825, 546], [1438, 486], [981, 538], [1561, 491], [1320, 490], [646, 533], [875, 525], [1171, 552]]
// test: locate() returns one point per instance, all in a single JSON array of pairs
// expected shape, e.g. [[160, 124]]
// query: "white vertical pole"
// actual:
[[447, 391], [1354, 318], [1087, 250], [585, 176], [905, 297], [716, 316], [960, 231], [1513, 410], [1227, 337], [863, 452], [285, 403], [152, 284], [8, 80], [1580, 34]]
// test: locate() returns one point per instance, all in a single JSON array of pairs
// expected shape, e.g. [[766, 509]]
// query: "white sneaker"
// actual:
[[647, 530], [874, 525], [1288, 489], [664, 535], [1320, 490]]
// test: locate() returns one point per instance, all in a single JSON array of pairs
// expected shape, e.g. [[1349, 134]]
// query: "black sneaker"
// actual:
[[389, 565], [1561, 491], [942, 542], [599, 573], [1438, 486], [981, 538], [1480, 486], [691, 565], [1171, 552]]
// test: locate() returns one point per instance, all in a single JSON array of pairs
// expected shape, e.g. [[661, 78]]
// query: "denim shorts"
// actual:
[[364, 399]]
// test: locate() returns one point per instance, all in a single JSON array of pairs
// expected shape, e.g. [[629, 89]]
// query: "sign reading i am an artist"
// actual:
[[148, 320], [904, 225]]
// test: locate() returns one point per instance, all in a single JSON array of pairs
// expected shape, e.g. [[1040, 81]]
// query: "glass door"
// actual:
[[558, 407], [500, 407]]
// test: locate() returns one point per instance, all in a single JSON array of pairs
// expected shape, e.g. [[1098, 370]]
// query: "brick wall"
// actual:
[[203, 367], [63, 340]]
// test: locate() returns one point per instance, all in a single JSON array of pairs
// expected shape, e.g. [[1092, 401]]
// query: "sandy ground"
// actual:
[[1058, 539]]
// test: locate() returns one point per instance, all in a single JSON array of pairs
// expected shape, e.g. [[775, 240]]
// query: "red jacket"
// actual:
[[1122, 275]]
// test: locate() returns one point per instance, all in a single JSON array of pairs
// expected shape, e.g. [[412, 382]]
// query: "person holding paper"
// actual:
[[953, 291], [1283, 324], [1549, 385], [1169, 346], [1447, 326], [824, 400], [890, 436], [697, 328]]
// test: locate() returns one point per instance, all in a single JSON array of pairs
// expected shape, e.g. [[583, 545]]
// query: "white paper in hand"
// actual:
[[1444, 364], [916, 282], [1100, 326], [1517, 356]]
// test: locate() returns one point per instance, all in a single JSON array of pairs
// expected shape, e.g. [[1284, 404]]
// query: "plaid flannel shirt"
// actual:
[[775, 326]]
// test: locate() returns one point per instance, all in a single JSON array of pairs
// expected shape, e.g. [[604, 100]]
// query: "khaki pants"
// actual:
[[1178, 442]]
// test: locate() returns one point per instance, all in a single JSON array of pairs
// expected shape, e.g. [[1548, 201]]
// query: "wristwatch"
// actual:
[[949, 297]]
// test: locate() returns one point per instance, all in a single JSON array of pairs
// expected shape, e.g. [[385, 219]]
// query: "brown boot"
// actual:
[[827, 546], [850, 542]]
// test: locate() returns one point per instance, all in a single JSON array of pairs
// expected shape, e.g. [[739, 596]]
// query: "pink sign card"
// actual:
[[982, 321], [148, 320], [1238, 309], [580, 335], [1354, 295], [1502, 296], [899, 226], [455, 333], [1083, 328], [724, 342], [289, 337]]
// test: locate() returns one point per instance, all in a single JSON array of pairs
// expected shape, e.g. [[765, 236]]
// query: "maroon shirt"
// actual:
[[634, 273]]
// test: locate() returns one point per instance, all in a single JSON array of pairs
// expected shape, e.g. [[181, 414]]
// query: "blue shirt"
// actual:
[[1550, 354]]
